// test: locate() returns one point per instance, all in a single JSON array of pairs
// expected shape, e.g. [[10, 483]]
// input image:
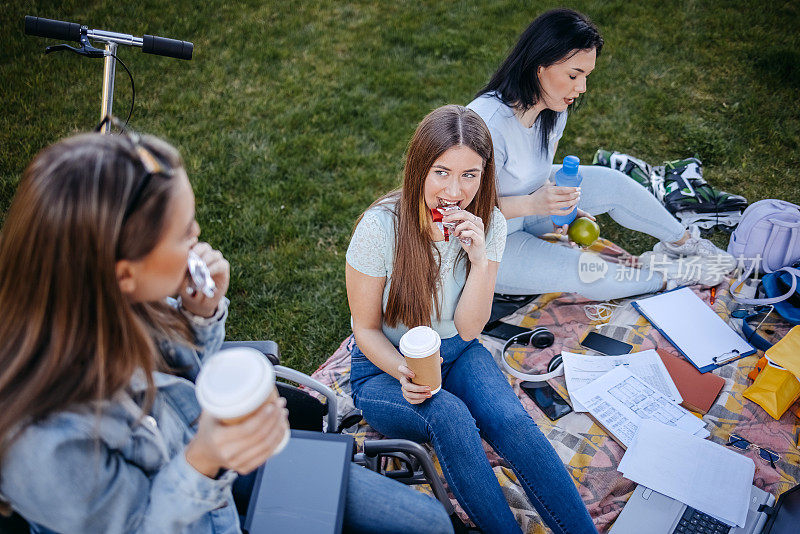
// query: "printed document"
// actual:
[[580, 370], [620, 401], [695, 471]]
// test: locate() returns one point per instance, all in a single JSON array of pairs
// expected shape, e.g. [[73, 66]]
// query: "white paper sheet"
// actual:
[[697, 472], [620, 401], [580, 370]]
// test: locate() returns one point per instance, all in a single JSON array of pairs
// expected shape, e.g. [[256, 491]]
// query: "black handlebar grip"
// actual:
[[55, 29], [163, 46]]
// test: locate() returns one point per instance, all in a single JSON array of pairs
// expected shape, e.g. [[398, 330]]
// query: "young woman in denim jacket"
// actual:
[[100, 430], [402, 272]]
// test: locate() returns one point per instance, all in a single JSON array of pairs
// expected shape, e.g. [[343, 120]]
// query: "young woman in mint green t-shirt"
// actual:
[[404, 271]]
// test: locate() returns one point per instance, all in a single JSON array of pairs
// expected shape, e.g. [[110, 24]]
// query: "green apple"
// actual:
[[583, 231]]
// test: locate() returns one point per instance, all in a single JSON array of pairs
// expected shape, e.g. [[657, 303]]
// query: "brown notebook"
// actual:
[[699, 390]]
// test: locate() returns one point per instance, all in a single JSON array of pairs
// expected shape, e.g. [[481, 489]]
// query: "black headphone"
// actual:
[[540, 337]]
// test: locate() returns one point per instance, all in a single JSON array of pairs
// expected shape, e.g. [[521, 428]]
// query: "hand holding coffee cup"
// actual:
[[412, 392], [240, 447], [237, 385], [421, 376]]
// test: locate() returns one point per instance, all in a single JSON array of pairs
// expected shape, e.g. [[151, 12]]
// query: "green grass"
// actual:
[[292, 117]]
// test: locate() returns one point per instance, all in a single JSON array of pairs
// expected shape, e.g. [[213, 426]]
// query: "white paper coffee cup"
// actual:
[[420, 347], [234, 383]]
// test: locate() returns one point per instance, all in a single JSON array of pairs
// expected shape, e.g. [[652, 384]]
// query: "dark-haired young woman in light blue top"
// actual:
[[525, 105]]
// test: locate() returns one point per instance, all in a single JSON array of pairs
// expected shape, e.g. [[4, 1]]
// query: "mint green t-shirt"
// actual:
[[371, 252]]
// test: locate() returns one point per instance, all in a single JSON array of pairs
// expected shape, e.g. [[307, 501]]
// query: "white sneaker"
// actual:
[[684, 270], [697, 246]]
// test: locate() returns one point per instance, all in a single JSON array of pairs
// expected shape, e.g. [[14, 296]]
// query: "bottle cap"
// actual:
[[570, 165]]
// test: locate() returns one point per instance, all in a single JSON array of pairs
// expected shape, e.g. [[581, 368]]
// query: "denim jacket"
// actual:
[[125, 471]]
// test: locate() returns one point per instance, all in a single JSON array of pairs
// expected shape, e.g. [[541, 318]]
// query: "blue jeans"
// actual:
[[374, 503], [475, 402], [533, 266]]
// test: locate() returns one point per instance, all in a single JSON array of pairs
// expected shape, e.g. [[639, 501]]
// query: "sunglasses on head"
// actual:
[[735, 440], [150, 163]]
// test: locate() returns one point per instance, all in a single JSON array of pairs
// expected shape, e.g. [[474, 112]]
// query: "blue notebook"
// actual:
[[694, 329]]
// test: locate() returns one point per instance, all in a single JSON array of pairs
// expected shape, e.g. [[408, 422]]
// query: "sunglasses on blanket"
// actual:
[[735, 440], [741, 313]]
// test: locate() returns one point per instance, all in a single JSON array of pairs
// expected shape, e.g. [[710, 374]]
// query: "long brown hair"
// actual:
[[413, 290], [68, 334]]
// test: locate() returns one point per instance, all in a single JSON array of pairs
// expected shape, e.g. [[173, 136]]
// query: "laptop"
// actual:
[[303, 488], [655, 513]]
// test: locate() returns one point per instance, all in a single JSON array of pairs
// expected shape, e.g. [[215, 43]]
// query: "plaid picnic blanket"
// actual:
[[590, 456]]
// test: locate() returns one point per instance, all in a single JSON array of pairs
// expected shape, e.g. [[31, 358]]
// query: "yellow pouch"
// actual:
[[786, 352], [774, 389]]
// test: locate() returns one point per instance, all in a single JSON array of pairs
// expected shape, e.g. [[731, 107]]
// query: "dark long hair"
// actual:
[[553, 37], [413, 290], [68, 333]]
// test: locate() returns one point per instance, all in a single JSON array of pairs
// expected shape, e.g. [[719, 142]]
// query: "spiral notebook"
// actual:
[[694, 329]]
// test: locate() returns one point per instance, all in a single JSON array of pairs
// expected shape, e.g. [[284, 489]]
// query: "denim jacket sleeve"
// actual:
[[81, 485], [209, 334]]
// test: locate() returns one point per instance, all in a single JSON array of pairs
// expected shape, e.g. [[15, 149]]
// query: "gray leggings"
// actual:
[[533, 266]]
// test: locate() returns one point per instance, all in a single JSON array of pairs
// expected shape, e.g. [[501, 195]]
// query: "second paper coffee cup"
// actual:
[[234, 383], [420, 347]]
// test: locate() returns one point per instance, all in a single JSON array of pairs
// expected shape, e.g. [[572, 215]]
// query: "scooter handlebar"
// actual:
[[163, 46], [69, 31], [55, 29]]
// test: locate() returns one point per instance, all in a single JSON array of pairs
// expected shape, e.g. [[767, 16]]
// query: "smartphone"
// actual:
[[503, 330], [547, 399], [605, 345]]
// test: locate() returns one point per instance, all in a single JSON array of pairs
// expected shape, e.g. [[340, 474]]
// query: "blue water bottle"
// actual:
[[570, 177]]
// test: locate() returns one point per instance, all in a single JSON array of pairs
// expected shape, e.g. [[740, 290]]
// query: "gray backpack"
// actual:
[[766, 240], [768, 236]]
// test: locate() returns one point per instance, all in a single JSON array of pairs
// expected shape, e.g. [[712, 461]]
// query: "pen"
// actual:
[[713, 295]]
